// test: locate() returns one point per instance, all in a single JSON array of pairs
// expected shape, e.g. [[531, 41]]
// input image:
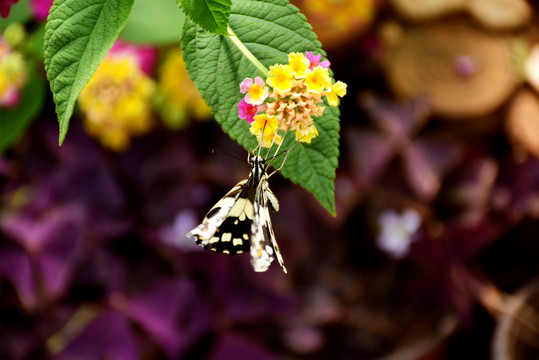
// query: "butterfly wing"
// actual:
[[227, 226], [275, 206], [264, 247], [241, 222]]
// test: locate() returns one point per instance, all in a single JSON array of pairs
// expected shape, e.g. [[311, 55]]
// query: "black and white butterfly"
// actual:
[[241, 222]]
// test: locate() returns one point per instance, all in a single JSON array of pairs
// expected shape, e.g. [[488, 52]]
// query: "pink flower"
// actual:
[[40, 9], [246, 85], [11, 97], [247, 111], [146, 56], [314, 60], [256, 92], [5, 6]]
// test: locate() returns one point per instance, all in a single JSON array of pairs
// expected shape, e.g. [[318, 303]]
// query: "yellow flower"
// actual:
[[14, 66], [178, 96], [3, 82], [256, 92], [270, 139], [13, 76], [116, 102], [317, 79], [337, 89], [281, 78], [298, 63], [266, 126], [264, 122], [341, 15], [114, 138], [307, 135]]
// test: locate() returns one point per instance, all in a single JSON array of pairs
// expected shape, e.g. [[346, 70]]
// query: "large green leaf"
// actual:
[[211, 15], [78, 35], [154, 22], [270, 30], [14, 121]]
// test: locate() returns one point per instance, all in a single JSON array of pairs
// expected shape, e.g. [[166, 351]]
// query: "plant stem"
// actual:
[[261, 68], [74, 326]]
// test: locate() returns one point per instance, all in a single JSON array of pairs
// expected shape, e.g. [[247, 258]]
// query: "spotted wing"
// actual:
[[264, 247], [227, 226]]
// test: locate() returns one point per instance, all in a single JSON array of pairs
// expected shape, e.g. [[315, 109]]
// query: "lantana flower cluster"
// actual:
[[289, 99], [120, 99], [116, 102], [13, 75], [177, 97]]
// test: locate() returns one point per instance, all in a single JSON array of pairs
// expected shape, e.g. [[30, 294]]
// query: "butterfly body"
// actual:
[[240, 222]]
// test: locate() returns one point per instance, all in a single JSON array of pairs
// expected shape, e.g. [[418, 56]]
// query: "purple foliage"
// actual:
[[109, 335], [86, 231]]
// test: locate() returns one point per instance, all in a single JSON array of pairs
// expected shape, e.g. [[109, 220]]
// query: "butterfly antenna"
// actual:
[[273, 140], [214, 151], [278, 148], [261, 139], [249, 154], [285, 157]]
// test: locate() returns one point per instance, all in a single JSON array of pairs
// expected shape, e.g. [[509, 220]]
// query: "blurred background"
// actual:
[[433, 254]]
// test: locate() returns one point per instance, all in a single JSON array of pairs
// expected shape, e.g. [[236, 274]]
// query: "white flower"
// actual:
[[174, 234], [396, 231]]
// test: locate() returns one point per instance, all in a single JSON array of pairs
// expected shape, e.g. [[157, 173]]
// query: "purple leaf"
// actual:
[[347, 198], [164, 308], [109, 336], [52, 240], [34, 234], [421, 177], [103, 269], [463, 238], [249, 297], [472, 189], [426, 162], [517, 189], [304, 339], [15, 265], [399, 120], [467, 238], [233, 346], [55, 272], [370, 153], [4, 166], [442, 156], [16, 343]]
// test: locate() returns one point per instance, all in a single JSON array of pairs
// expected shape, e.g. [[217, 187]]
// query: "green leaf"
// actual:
[[78, 35], [157, 22], [211, 15], [14, 121], [270, 30]]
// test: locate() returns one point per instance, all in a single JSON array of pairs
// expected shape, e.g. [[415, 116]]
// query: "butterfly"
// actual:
[[240, 222]]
